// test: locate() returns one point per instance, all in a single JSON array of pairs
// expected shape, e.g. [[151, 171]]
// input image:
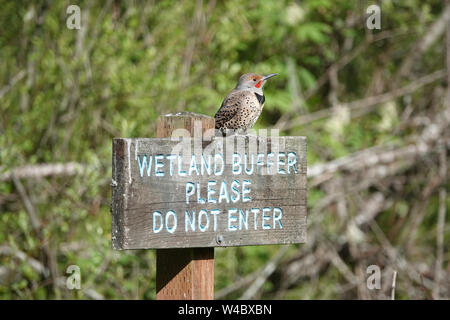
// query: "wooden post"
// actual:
[[151, 208], [185, 274]]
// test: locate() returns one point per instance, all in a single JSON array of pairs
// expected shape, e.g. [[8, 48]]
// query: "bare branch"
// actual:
[[37, 226], [369, 102], [43, 170], [433, 33], [394, 280], [438, 273], [19, 76], [34, 264], [35, 221], [265, 273]]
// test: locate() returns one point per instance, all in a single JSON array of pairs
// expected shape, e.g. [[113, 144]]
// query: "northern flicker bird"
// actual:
[[242, 106]]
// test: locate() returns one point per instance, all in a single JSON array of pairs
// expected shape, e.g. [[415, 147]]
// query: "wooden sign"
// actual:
[[186, 193]]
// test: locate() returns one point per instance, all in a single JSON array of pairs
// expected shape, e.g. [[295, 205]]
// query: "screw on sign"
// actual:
[[184, 196]]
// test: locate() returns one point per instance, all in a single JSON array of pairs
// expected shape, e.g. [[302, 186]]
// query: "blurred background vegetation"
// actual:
[[374, 105]]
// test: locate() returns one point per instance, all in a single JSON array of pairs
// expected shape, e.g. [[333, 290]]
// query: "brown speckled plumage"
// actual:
[[241, 107], [239, 110]]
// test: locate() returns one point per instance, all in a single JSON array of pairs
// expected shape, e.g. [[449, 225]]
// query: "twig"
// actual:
[[35, 221], [19, 76], [339, 64], [249, 278], [443, 174], [43, 170], [369, 102], [447, 61], [237, 285], [265, 273], [394, 279], [309, 265], [37, 226], [369, 158], [294, 87], [341, 266], [433, 33], [398, 260], [370, 209], [34, 264], [94, 295], [418, 211], [88, 292], [438, 273]]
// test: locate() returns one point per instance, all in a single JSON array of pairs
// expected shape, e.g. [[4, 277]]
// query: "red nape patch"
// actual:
[[258, 85]]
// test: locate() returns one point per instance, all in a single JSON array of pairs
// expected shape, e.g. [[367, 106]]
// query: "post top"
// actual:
[[185, 114]]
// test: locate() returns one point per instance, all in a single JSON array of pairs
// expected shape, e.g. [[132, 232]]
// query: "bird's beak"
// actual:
[[269, 76]]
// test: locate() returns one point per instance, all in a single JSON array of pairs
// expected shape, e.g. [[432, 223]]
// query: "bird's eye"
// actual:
[[254, 79]]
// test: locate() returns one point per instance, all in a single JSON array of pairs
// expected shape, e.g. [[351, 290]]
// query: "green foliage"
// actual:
[[130, 62]]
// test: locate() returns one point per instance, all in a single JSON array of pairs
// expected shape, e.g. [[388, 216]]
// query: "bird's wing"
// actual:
[[231, 106]]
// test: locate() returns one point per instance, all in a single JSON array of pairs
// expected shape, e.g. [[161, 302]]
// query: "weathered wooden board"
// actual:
[[180, 193]]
